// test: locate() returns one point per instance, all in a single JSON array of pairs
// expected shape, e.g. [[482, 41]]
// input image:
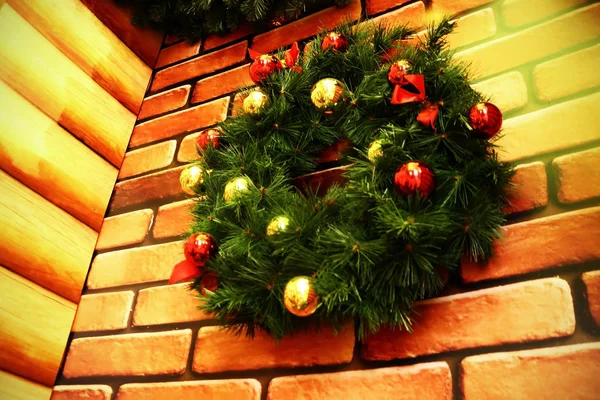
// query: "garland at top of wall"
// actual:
[[192, 19]]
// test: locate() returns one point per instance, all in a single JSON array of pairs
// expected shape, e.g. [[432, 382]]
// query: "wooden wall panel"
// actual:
[[48, 79], [75, 31], [38, 152], [42, 242], [144, 41], [13, 387], [35, 328]]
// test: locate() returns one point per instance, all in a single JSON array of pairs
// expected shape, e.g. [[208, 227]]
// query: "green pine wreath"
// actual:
[[368, 250]]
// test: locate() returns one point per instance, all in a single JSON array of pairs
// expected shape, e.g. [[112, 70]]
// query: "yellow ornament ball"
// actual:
[[375, 151], [328, 95], [255, 102], [236, 187], [190, 178], [277, 225], [299, 296]]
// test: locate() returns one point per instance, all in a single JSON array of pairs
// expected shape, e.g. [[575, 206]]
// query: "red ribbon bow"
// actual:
[[401, 95], [428, 114], [291, 56], [185, 271]]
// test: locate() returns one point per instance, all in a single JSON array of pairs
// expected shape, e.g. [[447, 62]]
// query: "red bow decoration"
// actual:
[[291, 56], [428, 114], [185, 271], [401, 95]]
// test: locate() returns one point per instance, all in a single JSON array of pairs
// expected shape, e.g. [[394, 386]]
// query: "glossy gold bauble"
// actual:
[[328, 95], [190, 178], [277, 225], [255, 102], [236, 187], [375, 151], [299, 296]]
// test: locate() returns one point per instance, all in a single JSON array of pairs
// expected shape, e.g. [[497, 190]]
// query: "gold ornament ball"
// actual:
[[375, 151], [236, 187], [299, 296], [255, 102], [328, 95], [190, 178], [277, 225]]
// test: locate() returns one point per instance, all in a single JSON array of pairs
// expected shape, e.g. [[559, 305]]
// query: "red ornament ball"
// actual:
[[413, 177], [398, 72], [336, 41], [209, 282], [199, 248], [485, 119], [263, 66], [206, 138]]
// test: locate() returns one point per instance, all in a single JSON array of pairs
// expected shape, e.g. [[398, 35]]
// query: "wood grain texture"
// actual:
[[42, 242], [38, 152], [144, 41], [34, 329], [73, 29], [53, 83], [14, 387]]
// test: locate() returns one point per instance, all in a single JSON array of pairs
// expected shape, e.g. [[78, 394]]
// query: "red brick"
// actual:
[[183, 121], [147, 159], [578, 176], [177, 52], [556, 241], [473, 28], [225, 82], [137, 354], [413, 15], [162, 185], [516, 313], [377, 6], [142, 264], [306, 27], [199, 66], [453, 7], [230, 389], [592, 287], [555, 128], [164, 102], [566, 372], [213, 40], [219, 350], [124, 229], [238, 104], [170, 39], [103, 312], [187, 149], [530, 188], [173, 219], [521, 12], [166, 305], [507, 91], [431, 381], [82, 392]]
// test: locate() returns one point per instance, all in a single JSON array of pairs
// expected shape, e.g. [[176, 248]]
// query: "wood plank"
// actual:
[[14, 387], [51, 161], [42, 242], [75, 31], [34, 328], [144, 41], [53, 83]]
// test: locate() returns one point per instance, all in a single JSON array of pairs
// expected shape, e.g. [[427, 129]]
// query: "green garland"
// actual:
[[191, 19], [371, 252]]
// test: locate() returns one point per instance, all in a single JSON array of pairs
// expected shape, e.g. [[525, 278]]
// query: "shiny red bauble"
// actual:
[[336, 41], [209, 282], [485, 119], [263, 66], [199, 248], [414, 177], [398, 72], [206, 138]]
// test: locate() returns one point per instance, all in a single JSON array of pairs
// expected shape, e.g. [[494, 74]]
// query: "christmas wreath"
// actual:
[[281, 239]]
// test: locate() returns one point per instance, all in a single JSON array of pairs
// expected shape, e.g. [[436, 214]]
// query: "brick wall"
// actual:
[[526, 326]]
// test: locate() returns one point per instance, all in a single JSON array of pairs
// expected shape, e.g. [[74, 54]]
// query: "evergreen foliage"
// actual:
[[191, 19], [372, 252]]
